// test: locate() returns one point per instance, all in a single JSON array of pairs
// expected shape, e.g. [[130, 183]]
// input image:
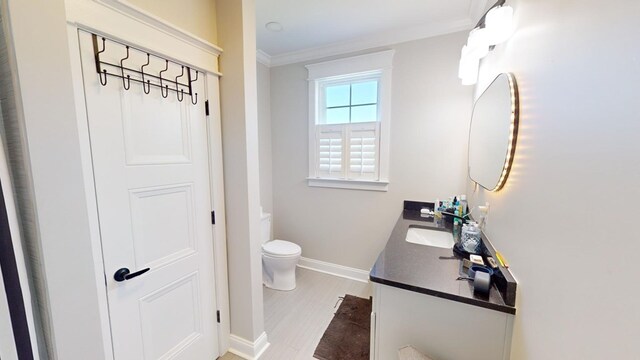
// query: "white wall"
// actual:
[[429, 122], [12, 137], [564, 219], [239, 115], [264, 137], [48, 122]]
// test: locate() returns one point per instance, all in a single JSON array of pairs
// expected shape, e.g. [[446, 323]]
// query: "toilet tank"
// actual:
[[265, 227]]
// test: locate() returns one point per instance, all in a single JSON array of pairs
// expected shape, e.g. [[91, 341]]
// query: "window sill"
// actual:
[[349, 184]]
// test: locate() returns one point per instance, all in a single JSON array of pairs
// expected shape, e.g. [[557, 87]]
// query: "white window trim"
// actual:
[[349, 184], [379, 62]]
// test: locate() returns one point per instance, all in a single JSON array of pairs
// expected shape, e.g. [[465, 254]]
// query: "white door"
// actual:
[[150, 160]]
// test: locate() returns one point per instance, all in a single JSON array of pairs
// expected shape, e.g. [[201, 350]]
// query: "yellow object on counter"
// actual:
[[501, 259]]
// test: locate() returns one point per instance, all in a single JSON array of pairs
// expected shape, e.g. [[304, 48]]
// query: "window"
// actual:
[[349, 122]]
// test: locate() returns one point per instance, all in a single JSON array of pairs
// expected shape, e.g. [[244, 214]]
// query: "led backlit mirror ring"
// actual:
[[493, 133]]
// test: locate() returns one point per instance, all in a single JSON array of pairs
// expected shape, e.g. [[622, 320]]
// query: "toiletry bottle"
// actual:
[[456, 230], [463, 205]]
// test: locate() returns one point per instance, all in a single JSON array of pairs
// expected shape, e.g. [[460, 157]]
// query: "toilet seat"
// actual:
[[281, 248]]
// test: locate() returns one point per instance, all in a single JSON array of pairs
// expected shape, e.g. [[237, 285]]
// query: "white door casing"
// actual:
[[151, 171]]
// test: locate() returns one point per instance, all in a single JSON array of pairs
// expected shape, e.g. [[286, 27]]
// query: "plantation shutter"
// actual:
[[330, 151], [364, 144]]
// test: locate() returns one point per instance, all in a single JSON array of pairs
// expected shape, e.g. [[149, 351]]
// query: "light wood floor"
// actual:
[[295, 320]]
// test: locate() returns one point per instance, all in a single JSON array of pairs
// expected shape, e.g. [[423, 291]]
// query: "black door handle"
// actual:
[[124, 274]]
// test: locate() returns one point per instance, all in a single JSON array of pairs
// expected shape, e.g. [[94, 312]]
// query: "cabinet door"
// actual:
[[439, 328], [372, 339]]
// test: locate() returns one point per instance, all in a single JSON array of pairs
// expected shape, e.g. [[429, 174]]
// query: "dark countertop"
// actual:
[[427, 269]]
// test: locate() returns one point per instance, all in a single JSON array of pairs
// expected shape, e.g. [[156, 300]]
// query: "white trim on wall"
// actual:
[[99, 18], [349, 184], [89, 188], [263, 58], [378, 62], [372, 41], [476, 10], [126, 8], [214, 127], [334, 269], [247, 349]]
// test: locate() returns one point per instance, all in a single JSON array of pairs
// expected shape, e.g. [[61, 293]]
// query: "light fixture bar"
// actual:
[[481, 22], [494, 27]]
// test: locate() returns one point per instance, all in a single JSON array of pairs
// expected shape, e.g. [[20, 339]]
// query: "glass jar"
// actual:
[[470, 239]]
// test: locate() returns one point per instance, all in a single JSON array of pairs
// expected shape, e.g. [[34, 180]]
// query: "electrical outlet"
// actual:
[[484, 211]]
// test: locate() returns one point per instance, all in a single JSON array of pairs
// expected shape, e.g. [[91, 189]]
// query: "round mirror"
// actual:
[[493, 133]]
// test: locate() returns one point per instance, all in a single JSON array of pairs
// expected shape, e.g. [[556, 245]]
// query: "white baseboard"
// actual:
[[334, 269], [247, 349]]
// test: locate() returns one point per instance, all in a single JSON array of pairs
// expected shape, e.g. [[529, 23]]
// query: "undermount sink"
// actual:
[[430, 237]]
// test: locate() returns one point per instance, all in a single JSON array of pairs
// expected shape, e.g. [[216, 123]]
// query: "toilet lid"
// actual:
[[281, 248]]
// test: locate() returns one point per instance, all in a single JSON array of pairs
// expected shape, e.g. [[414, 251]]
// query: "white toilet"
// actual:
[[279, 259]]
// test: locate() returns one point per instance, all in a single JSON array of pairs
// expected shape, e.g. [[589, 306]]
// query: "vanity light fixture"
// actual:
[[493, 28], [513, 132], [469, 66]]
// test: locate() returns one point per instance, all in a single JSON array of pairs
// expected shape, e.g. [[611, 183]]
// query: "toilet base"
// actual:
[[278, 273], [279, 288]]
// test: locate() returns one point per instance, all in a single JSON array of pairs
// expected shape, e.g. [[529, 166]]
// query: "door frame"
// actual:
[[103, 18]]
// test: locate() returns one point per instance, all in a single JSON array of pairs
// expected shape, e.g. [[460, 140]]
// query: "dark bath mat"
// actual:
[[348, 334]]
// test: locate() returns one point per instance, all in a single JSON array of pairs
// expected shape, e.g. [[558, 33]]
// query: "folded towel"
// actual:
[[409, 353]]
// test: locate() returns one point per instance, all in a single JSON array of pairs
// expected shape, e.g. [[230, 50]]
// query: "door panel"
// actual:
[[159, 308], [156, 130], [164, 227], [150, 159]]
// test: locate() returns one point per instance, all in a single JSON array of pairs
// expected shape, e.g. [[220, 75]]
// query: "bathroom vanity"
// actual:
[[418, 301]]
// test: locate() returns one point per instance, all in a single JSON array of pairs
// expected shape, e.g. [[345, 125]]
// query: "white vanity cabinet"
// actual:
[[440, 328]]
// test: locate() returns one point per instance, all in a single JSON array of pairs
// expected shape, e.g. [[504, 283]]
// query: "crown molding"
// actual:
[[477, 9], [372, 41], [263, 58], [134, 12]]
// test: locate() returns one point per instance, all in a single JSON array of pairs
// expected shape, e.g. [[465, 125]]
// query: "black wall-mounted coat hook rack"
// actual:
[[147, 79]]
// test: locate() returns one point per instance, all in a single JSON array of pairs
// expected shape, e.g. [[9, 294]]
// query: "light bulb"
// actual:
[[468, 70], [498, 25], [478, 42]]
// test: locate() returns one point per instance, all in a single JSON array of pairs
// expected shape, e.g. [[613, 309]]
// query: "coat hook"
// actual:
[[180, 95], [104, 46], [104, 71], [104, 83], [125, 84], [146, 88], [164, 86], [194, 98], [179, 76]]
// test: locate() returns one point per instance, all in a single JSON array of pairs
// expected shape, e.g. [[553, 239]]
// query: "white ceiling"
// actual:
[[329, 27]]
